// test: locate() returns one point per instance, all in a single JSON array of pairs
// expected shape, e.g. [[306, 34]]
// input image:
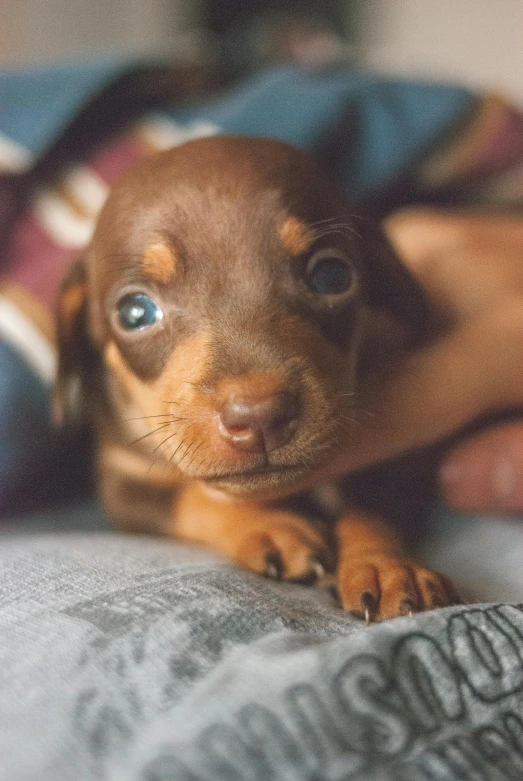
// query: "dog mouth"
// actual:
[[268, 482], [257, 472]]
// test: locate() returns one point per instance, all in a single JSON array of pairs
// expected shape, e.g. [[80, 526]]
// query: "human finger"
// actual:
[[485, 472], [473, 370], [464, 262]]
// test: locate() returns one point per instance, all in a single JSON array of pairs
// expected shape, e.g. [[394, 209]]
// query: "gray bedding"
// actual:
[[126, 658]]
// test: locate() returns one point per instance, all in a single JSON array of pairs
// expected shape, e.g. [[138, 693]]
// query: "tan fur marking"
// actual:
[[296, 235], [146, 400], [71, 301], [159, 262], [185, 366]]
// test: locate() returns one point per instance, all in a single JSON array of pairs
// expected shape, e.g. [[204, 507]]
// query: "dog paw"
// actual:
[[380, 586], [285, 547]]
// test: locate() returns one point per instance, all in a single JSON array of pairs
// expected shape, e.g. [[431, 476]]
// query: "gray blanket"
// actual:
[[126, 658]]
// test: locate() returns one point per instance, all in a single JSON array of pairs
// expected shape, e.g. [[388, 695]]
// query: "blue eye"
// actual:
[[329, 274], [137, 312]]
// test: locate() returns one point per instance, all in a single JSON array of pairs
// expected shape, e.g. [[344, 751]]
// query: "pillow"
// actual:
[[136, 658]]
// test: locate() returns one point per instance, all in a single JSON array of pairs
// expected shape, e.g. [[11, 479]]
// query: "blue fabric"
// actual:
[[378, 127], [25, 431], [36, 103], [38, 466], [24, 410]]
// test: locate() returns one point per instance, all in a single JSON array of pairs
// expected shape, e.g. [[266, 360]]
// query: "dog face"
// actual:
[[225, 303]]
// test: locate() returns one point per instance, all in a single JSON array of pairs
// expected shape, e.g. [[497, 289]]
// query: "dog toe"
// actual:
[[286, 548], [383, 587], [273, 565]]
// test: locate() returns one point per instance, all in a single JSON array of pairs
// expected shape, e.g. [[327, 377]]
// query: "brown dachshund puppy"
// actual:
[[217, 335]]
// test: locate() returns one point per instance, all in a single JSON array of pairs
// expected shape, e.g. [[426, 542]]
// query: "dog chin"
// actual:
[[263, 484]]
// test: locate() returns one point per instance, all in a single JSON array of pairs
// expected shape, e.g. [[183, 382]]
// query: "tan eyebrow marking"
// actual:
[[296, 235], [159, 262]]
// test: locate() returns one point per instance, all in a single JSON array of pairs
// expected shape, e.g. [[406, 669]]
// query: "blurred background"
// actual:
[[474, 42]]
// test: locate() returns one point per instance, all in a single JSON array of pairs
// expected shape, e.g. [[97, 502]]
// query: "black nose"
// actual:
[[258, 424]]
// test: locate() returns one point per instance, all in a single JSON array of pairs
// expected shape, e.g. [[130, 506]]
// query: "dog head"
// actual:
[[227, 311]]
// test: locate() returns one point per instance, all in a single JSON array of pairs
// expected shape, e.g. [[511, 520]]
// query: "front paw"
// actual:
[[283, 546], [380, 586]]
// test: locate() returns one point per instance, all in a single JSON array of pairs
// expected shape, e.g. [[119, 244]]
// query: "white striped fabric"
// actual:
[[14, 158], [62, 224], [87, 188], [19, 332], [164, 133], [68, 214]]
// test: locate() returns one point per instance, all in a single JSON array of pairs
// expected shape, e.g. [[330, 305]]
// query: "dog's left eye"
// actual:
[[138, 311], [329, 273]]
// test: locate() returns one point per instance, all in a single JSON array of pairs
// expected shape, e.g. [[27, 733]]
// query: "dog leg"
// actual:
[[135, 496], [267, 540], [376, 581]]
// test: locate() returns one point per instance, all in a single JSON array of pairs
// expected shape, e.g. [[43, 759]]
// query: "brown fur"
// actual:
[[242, 334]]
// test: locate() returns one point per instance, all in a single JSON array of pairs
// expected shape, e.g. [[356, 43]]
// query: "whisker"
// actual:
[[155, 431], [320, 222], [353, 421], [160, 454], [187, 452], [342, 230], [202, 462], [177, 449], [335, 220], [163, 415], [189, 446], [164, 441], [191, 462], [338, 227]]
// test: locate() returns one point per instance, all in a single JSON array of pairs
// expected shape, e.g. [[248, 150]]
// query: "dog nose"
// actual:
[[259, 424]]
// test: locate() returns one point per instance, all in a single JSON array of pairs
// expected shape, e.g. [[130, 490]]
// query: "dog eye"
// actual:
[[329, 273], [138, 311]]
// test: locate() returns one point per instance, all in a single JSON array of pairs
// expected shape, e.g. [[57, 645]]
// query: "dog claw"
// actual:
[[407, 608], [317, 567], [273, 565], [368, 603]]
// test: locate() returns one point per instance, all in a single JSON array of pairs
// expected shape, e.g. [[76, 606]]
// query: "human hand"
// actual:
[[472, 268]]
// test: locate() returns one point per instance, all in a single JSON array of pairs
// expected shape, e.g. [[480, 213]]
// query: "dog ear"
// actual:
[[73, 347], [389, 285]]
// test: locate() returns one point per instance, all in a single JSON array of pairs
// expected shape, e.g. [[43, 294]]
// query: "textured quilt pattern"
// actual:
[[126, 659]]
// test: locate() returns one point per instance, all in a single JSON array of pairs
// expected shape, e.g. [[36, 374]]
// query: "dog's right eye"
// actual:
[[329, 273], [138, 311]]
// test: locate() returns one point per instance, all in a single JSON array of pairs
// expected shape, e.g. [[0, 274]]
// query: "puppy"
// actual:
[[217, 335]]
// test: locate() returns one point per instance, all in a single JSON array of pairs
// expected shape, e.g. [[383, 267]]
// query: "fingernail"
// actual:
[[504, 478], [451, 473], [481, 480], [464, 481]]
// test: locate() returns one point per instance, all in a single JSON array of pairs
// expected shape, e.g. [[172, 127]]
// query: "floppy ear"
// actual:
[[389, 285], [74, 349]]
